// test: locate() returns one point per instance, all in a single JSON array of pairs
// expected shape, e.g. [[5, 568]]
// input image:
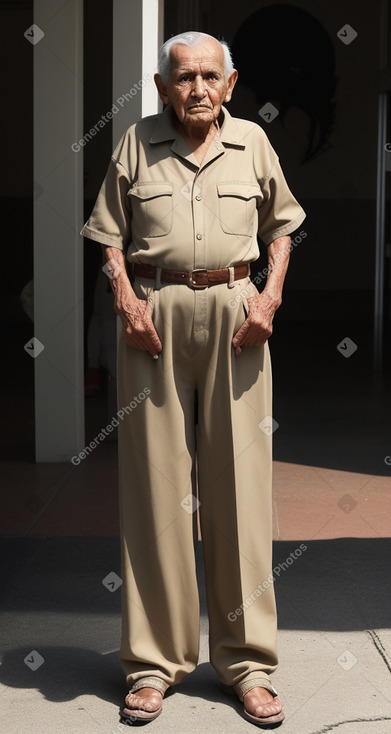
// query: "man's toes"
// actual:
[[262, 708], [148, 705], [132, 701], [267, 709], [137, 701]]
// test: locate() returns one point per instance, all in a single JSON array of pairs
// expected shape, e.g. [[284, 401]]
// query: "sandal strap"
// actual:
[[151, 681], [244, 687]]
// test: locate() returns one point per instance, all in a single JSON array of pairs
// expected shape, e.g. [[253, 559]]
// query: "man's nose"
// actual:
[[198, 89]]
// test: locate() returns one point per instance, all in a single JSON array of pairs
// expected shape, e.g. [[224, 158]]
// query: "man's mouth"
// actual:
[[199, 107]]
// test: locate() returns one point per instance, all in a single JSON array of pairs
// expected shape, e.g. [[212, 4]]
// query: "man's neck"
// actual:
[[199, 144], [197, 135]]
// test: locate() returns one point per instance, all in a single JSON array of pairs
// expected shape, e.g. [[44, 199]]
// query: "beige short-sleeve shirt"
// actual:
[[163, 208]]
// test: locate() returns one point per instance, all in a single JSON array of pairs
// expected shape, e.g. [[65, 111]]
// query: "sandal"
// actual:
[[269, 721], [130, 716]]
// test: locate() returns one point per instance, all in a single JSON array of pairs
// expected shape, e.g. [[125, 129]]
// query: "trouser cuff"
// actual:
[[150, 681], [246, 685]]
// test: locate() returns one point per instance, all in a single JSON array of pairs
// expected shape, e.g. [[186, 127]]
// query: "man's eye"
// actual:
[[184, 78]]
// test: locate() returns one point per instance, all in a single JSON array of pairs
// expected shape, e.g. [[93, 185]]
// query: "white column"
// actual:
[[58, 217], [137, 36]]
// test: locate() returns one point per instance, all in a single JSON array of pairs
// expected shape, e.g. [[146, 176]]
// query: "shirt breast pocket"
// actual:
[[152, 208], [238, 207]]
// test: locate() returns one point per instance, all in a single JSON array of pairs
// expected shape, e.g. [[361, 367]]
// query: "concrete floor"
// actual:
[[332, 491], [334, 641]]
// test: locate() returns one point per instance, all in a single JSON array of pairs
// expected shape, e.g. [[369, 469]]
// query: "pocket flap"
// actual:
[[241, 190], [151, 189]]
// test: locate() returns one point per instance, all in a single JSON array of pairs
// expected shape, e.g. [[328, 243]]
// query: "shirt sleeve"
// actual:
[[110, 220], [279, 213]]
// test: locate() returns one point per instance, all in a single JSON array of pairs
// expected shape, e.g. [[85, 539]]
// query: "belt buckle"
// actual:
[[193, 282]]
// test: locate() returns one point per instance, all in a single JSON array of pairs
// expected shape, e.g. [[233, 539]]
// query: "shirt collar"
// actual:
[[165, 129]]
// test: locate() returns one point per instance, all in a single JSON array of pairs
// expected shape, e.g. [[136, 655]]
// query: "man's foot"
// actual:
[[260, 706], [147, 699], [146, 703]]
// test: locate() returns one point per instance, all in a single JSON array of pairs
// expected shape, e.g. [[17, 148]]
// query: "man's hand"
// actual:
[[139, 331], [258, 325], [261, 308]]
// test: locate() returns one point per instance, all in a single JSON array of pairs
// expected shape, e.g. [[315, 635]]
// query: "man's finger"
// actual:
[[256, 337], [154, 345], [240, 334], [134, 340], [253, 336], [146, 339], [153, 337]]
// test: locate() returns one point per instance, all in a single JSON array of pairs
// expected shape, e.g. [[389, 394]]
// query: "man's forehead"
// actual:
[[198, 53]]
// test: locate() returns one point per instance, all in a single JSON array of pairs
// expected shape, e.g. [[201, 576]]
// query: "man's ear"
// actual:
[[232, 79], [161, 88]]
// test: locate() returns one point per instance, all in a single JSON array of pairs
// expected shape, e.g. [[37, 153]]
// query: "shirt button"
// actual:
[[199, 237], [198, 197]]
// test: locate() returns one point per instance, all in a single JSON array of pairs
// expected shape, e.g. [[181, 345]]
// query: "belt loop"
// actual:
[[231, 281], [158, 278]]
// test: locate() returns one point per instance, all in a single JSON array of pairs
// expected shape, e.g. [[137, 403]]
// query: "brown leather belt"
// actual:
[[198, 279]]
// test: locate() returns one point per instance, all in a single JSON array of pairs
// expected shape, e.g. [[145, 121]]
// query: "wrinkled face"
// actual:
[[197, 85]]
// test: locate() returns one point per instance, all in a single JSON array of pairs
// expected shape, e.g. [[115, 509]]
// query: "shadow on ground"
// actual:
[[339, 584]]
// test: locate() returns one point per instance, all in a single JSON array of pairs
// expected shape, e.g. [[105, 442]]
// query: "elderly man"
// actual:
[[186, 193]]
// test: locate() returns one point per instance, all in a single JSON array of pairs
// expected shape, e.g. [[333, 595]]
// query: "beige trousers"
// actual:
[[157, 450]]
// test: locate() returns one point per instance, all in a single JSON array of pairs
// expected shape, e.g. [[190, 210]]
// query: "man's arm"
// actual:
[[258, 326], [135, 313]]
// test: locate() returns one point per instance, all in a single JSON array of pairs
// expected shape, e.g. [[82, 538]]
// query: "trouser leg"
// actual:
[[160, 603], [235, 461]]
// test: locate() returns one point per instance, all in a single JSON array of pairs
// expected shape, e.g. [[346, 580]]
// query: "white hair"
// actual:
[[188, 39]]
